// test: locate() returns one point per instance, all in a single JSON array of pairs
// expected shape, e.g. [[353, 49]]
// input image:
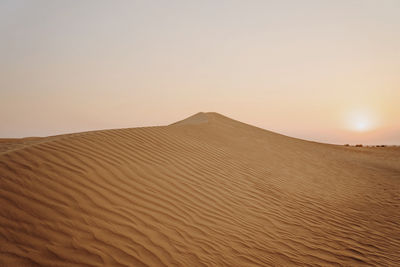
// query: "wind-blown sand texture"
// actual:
[[206, 191]]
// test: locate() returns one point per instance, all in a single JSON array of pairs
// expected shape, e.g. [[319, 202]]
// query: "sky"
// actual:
[[327, 71]]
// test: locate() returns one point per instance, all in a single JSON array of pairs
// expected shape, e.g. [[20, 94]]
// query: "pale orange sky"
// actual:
[[318, 70]]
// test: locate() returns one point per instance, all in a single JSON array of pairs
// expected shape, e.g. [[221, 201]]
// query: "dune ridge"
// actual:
[[205, 191]]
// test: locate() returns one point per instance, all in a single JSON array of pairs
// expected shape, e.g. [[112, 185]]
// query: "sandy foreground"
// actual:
[[206, 191]]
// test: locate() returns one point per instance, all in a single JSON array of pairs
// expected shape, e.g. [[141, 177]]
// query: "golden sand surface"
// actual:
[[205, 191]]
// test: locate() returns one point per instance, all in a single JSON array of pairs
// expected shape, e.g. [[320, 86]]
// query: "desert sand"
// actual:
[[205, 191]]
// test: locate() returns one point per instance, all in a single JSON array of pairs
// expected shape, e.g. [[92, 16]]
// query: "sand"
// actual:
[[206, 191]]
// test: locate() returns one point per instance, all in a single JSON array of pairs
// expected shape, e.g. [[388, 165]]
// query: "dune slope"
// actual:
[[206, 191]]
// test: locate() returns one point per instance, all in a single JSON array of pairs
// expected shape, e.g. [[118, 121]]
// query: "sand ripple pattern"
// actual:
[[206, 191]]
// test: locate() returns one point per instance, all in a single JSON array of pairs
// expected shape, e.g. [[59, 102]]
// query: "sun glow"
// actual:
[[361, 121], [361, 125]]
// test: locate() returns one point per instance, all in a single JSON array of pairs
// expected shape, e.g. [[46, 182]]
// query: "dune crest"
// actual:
[[197, 118], [205, 191]]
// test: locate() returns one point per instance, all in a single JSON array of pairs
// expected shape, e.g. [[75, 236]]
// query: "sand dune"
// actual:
[[205, 191]]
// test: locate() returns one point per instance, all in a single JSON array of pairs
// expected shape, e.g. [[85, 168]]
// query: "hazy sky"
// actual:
[[319, 70]]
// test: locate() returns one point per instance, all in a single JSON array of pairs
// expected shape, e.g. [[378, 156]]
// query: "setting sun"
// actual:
[[361, 125], [361, 121]]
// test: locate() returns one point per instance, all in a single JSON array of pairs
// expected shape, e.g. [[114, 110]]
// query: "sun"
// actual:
[[361, 124], [360, 121]]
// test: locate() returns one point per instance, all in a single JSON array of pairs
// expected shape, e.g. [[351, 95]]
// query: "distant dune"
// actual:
[[205, 191]]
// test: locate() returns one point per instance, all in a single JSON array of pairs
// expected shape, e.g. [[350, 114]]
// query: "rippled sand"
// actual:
[[206, 191]]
